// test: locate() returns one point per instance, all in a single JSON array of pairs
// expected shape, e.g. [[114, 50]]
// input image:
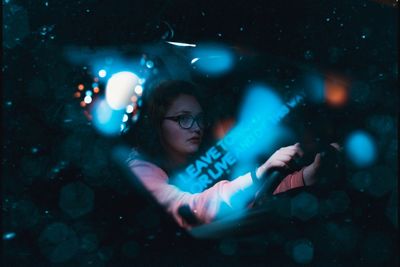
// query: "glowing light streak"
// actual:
[[194, 60], [182, 44]]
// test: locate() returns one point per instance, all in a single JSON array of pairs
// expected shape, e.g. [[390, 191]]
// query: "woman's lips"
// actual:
[[194, 140]]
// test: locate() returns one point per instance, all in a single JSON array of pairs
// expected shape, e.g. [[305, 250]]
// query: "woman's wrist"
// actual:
[[260, 171], [309, 175]]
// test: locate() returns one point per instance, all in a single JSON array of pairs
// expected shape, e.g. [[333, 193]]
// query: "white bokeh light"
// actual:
[[102, 73], [120, 88]]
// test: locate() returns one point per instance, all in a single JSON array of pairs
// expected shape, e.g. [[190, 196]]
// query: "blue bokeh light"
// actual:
[[303, 251], [361, 148], [213, 59], [9, 235], [105, 119], [315, 88], [257, 127]]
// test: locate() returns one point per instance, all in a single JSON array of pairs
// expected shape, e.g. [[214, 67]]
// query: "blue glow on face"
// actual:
[[213, 60], [361, 149], [105, 119]]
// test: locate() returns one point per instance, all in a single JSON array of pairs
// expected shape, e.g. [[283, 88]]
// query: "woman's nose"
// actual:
[[196, 128]]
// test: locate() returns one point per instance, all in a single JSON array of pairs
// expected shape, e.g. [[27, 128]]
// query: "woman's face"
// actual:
[[178, 142]]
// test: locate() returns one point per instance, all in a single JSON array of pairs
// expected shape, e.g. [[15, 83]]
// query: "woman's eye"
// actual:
[[185, 118]]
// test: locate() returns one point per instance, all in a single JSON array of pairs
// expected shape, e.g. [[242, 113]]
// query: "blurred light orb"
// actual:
[[129, 109], [88, 99], [315, 88], [361, 149], [9, 235], [120, 88], [105, 119], [102, 73], [303, 252], [134, 99], [212, 59], [139, 90], [149, 64], [336, 91]]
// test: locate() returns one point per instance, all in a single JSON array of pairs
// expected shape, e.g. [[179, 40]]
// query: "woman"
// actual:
[[176, 118]]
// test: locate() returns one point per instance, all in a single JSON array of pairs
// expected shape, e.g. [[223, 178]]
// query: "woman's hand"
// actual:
[[281, 159], [310, 172]]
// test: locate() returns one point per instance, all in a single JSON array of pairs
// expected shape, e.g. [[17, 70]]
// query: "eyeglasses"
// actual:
[[186, 121]]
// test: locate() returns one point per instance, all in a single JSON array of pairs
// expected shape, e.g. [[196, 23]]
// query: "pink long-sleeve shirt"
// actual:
[[205, 205]]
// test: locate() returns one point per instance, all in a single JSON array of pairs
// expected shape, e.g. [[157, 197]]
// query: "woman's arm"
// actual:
[[206, 205], [233, 195]]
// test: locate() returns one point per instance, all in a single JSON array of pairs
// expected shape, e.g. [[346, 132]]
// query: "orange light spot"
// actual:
[[77, 94], [336, 92], [134, 99], [96, 90], [222, 127], [83, 104], [81, 87]]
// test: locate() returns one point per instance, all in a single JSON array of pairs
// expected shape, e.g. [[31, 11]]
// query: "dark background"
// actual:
[[42, 153]]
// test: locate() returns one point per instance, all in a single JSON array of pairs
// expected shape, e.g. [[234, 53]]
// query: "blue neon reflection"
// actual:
[[212, 59], [361, 148]]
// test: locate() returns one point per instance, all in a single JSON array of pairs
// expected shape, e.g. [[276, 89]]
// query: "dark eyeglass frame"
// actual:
[[194, 119]]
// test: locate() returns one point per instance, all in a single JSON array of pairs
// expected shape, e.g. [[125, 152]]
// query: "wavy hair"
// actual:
[[146, 136]]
